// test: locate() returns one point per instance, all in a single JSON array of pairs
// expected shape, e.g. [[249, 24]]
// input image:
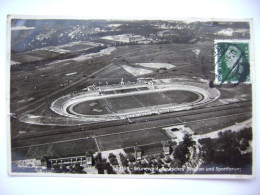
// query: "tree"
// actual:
[[226, 150], [175, 163], [182, 152], [57, 169], [244, 144], [79, 169], [188, 140], [100, 167], [109, 169], [123, 159], [211, 84], [64, 169], [131, 157], [112, 158]]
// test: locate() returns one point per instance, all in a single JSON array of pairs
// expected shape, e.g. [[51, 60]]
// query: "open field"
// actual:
[[131, 139], [49, 78], [78, 46], [34, 55], [55, 150], [113, 105], [201, 127]]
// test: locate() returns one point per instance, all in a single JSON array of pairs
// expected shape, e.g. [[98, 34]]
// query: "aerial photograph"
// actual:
[[162, 98]]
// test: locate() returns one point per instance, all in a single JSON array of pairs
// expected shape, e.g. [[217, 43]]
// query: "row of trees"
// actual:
[[227, 149], [77, 168]]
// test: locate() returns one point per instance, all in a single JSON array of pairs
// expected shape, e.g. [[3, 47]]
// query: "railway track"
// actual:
[[237, 107], [34, 142]]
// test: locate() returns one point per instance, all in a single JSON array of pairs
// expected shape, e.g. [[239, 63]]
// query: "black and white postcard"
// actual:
[[131, 98]]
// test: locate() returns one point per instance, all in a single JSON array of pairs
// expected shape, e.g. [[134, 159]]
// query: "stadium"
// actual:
[[127, 100]]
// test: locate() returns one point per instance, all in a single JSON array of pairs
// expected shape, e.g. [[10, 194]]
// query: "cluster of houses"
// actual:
[[87, 160]]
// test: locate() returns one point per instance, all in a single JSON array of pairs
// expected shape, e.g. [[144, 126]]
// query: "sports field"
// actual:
[[56, 149], [117, 104], [141, 137]]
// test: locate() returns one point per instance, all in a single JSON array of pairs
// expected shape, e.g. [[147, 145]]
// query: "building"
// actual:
[[136, 38], [138, 153], [89, 158], [166, 149], [44, 162], [125, 38]]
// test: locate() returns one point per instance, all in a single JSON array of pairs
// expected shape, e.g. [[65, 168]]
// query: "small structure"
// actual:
[[45, 162], [151, 83], [166, 148], [92, 88], [89, 158], [71, 160], [100, 91], [138, 153], [122, 82], [136, 38]]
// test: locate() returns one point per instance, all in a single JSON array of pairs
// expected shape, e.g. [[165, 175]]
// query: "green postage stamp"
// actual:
[[232, 61]]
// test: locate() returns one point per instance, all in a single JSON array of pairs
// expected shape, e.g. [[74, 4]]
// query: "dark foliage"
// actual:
[[123, 160], [226, 149], [182, 153]]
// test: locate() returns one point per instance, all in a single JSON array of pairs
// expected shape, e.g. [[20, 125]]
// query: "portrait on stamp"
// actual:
[[232, 61]]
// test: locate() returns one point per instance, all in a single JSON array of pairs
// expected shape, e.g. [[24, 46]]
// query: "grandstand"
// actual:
[[113, 102]]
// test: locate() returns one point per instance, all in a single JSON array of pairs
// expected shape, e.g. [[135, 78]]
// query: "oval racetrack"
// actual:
[[122, 104], [118, 102]]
